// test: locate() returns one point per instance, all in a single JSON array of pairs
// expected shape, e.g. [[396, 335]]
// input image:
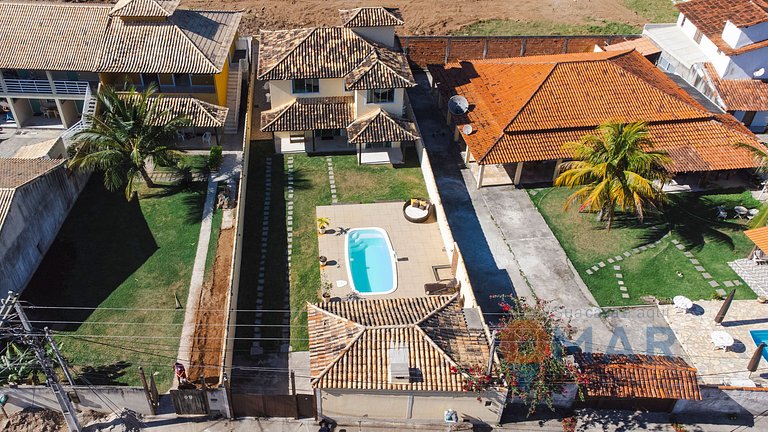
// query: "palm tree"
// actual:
[[615, 168], [130, 131], [761, 157]]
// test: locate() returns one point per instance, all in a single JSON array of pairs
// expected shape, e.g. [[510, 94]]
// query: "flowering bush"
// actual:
[[569, 424]]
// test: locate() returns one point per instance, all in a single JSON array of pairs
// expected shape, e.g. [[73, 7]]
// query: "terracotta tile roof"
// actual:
[[643, 45], [638, 376], [144, 8], [195, 42], [201, 113], [759, 237], [527, 109], [371, 17], [330, 52], [304, 114], [380, 126], [349, 343], [739, 94], [84, 38], [382, 68], [51, 36], [15, 173], [709, 16]]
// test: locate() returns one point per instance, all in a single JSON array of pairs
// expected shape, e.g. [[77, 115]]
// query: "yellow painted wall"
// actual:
[[220, 81]]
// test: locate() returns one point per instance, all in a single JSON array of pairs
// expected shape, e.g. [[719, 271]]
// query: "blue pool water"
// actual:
[[760, 336], [371, 261]]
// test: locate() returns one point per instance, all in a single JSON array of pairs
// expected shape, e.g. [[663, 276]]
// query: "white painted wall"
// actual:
[[758, 124], [737, 37], [362, 107], [280, 91], [382, 35]]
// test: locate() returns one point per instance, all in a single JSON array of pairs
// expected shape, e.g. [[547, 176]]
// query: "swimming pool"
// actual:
[[760, 336], [372, 267]]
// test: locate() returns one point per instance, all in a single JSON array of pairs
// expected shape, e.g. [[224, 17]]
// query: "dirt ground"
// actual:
[[209, 332], [423, 17], [44, 420]]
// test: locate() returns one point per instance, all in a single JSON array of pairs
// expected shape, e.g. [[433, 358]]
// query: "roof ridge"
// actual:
[[445, 355], [517, 114], [282, 109], [448, 301], [194, 45], [373, 53], [372, 116], [342, 353], [312, 31]]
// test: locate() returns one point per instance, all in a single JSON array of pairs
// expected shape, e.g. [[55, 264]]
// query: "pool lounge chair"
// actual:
[[439, 288]]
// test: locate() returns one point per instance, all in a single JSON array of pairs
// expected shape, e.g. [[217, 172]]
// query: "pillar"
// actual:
[[467, 155], [557, 169], [447, 117], [518, 172], [480, 174], [456, 134]]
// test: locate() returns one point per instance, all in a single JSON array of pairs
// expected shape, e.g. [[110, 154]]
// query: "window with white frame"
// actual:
[[381, 96], [306, 85]]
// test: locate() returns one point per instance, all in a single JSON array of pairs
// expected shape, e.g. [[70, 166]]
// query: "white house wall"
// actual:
[[280, 91], [758, 123], [382, 35], [424, 406], [738, 37], [362, 107]]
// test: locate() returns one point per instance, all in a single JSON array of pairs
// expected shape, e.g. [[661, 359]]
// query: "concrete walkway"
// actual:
[[509, 248]]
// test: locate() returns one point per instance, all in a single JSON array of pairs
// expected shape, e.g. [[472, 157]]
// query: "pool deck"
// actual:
[[721, 367], [417, 246]]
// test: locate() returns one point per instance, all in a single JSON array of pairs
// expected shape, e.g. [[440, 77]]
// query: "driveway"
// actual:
[[509, 249]]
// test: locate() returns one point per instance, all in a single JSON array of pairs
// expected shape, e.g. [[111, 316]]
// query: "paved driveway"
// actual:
[[509, 249]]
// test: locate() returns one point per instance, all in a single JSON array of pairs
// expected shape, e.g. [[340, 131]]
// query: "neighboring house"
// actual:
[[721, 48], [35, 198], [339, 89], [636, 382], [523, 111], [54, 56], [401, 358]]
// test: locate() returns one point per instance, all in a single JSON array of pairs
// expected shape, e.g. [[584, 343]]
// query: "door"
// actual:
[[190, 401]]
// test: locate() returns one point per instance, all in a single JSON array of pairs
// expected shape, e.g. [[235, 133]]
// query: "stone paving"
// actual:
[[256, 348], [332, 180], [693, 330], [756, 276]]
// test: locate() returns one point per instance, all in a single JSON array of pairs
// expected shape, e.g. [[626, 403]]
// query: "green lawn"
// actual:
[[545, 28], [652, 272], [653, 11], [111, 253], [354, 184]]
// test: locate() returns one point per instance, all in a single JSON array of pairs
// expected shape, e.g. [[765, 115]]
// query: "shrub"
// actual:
[[215, 157]]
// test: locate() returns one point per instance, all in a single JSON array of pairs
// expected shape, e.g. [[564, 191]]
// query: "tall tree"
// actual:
[[615, 168], [129, 131]]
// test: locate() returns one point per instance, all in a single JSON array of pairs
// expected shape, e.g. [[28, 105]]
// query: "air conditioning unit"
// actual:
[[399, 372]]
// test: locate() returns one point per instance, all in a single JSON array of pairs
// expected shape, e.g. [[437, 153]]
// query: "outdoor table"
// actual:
[[721, 339], [682, 303], [741, 211]]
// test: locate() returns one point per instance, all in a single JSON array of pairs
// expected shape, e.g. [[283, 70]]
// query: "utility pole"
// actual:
[[36, 342]]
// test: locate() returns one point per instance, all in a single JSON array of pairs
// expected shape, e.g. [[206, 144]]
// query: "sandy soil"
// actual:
[[423, 16], [44, 420], [209, 332]]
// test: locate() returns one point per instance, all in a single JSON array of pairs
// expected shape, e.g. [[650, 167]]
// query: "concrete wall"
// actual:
[[280, 91], [38, 210], [758, 124], [738, 37], [716, 401], [102, 398], [405, 405], [382, 35]]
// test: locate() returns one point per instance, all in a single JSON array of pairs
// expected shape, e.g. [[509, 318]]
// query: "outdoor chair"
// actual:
[[439, 288], [207, 138]]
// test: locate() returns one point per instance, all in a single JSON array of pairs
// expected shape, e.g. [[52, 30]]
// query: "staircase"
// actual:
[[234, 90], [89, 109]]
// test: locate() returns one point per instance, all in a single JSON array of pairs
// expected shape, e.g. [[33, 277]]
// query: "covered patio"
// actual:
[[206, 120]]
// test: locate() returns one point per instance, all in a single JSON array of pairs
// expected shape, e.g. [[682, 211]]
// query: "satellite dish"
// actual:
[[759, 73], [458, 105], [467, 129]]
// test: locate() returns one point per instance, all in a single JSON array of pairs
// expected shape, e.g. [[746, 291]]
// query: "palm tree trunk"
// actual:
[[600, 215], [147, 178]]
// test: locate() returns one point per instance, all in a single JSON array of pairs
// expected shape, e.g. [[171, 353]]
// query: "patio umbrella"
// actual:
[[724, 308], [755, 360]]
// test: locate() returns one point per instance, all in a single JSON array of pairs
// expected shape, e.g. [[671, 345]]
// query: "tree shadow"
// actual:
[[102, 375], [410, 159], [193, 201], [102, 242]]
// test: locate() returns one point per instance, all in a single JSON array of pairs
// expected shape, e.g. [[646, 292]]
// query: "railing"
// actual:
[[89, 107], [44, 86]]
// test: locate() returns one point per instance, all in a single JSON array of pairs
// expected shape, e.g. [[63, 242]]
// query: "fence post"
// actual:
[[295, 398], [146, 390]]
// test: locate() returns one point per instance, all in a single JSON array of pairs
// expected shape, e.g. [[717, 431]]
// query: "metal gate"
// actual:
[[190, 401], [270, 405]]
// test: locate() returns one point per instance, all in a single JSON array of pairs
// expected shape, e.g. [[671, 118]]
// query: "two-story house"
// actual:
[[338, 89], [721, 48], [53, 57]]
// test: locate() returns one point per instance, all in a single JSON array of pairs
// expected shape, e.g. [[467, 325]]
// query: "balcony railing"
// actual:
[[44, 86]]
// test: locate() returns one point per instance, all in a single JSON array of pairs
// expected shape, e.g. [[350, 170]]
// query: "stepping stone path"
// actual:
[[697, 265], [620, 277], [288, 250], [331, 180], [256, 348]]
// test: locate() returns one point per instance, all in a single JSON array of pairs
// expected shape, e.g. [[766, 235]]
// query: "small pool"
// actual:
[[760, 336], [372, 266]]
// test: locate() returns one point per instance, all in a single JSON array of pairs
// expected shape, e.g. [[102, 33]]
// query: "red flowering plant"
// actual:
[[532, 359]]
